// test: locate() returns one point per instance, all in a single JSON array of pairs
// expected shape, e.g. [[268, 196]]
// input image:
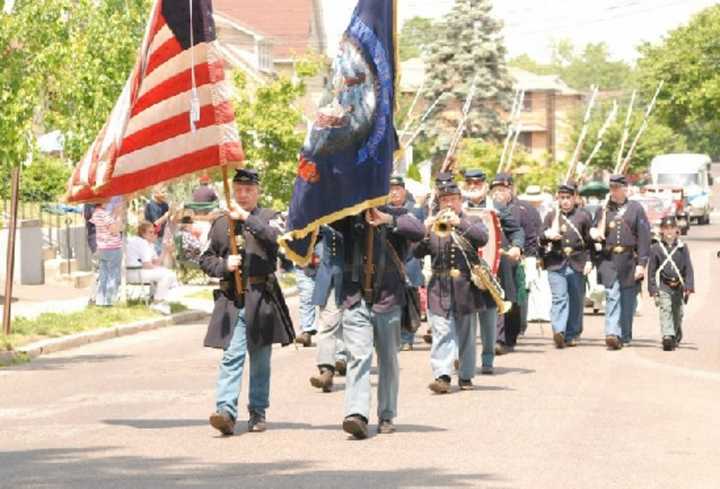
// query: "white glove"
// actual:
[[595, 234], [233, 262], [552, 235], [588, 268]]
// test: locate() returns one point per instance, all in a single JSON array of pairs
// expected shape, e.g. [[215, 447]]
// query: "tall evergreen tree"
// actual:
[[469, 42]]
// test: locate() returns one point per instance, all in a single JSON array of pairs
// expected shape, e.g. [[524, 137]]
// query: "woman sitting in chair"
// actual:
[[141, 256]]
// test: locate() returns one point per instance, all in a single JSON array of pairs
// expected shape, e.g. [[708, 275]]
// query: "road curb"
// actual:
[[53, 345]]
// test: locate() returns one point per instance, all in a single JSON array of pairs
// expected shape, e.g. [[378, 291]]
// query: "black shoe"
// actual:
[[356, 425], [441, 385], [341, 367], [256, 423], [324, 380], [559, 339], [386, 427], [668, 343], [466, 385], [427, 337], [503, 349], [223, 422], [613, 342], [305, 339]]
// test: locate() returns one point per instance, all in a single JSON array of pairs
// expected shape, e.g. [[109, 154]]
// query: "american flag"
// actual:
[[174, 115]]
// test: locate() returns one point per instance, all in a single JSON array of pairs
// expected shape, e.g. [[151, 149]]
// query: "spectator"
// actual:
[[204, 192], [157, 212], [109, 249], [142, 253], [90, 233], [191, 245]]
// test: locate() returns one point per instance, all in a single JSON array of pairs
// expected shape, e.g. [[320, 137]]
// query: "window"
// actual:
[[525, 139], [527, 103]]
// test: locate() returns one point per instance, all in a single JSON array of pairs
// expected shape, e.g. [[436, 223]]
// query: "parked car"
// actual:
[[675, 199], [655, 209], [692, 172]]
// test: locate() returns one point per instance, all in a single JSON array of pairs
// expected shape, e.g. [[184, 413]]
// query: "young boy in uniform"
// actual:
[[671, 281]]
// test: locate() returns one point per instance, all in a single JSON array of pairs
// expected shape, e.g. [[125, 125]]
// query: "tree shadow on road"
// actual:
[[56, 363], [92, 468]]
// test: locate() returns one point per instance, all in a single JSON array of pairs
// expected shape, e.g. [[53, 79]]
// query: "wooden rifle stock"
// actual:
[[369, 265], [231, 232]]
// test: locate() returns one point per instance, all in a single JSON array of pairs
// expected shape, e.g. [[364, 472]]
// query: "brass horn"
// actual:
[[442, 227]]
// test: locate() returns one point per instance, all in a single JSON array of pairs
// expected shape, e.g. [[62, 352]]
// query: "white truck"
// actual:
[[692, 172]]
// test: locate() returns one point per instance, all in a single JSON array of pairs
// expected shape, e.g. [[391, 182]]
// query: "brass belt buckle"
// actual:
[[568, 251], [618, 249], [455, 273]]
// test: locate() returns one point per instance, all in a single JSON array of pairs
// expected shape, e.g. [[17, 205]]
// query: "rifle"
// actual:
[[514, 129], [369, 265], [622, 167], [231, 232], [457, 137], [626, 129], [583, 136], [612, 116]]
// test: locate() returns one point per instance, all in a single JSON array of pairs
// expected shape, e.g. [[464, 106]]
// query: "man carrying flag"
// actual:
[[344, 180]]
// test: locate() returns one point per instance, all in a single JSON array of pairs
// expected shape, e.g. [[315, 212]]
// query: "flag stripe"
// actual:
[[161, 53], [176, 125], [204, 74], [207, 94], [181, 62], [168, 149]]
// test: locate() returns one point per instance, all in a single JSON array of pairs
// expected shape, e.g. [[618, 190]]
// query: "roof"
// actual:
[[287, 24], [528, 81]]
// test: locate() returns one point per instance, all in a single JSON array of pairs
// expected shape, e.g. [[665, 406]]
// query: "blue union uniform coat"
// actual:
[[446, 293], [573, 248], [267, 316], [626, 245]]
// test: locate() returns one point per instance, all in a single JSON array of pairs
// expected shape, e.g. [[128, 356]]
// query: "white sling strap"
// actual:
[[668, 259]]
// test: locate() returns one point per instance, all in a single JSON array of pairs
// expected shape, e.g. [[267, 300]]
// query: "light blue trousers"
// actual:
[[361, 328]]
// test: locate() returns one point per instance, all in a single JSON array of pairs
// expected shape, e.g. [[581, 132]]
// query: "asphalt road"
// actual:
[[132, 413]]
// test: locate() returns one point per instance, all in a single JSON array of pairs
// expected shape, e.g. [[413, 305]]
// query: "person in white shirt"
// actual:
[[141, 254]]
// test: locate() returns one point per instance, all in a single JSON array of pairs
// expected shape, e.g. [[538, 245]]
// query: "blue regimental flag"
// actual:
[[347, 158]]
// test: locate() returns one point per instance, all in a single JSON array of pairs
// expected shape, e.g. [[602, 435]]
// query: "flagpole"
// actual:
[[9, 269], [231, 229]]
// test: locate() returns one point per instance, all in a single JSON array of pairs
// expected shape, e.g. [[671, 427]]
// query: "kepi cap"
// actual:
[[246, 176]]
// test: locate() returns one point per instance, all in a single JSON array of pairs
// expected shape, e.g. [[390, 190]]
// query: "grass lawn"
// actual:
[[52, 325]]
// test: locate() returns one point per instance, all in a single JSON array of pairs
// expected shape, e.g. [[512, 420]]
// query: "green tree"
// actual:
[[528, 170], [469, 42], [415, 36], [269, 119], [581, 68], [688, 59]]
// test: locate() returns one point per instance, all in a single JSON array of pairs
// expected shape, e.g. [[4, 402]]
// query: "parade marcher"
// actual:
[[249, 320], [624, 252], [671, 280], [413, 266], [565, 240], [511, 273], [513, 237], [454, 302], [372, 297], [532, 223], [305, 277], [331, 353]]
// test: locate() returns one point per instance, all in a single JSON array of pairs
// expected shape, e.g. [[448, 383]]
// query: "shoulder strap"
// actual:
[[572, 226], [396, 259], [669, 259]]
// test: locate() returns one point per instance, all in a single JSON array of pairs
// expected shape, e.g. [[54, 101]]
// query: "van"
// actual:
[[692, 172]]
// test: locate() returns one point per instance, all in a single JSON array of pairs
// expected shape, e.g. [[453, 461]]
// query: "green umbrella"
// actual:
[[594, 189]]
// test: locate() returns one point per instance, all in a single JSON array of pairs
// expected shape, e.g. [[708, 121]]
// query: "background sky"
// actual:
[[531, 25]]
